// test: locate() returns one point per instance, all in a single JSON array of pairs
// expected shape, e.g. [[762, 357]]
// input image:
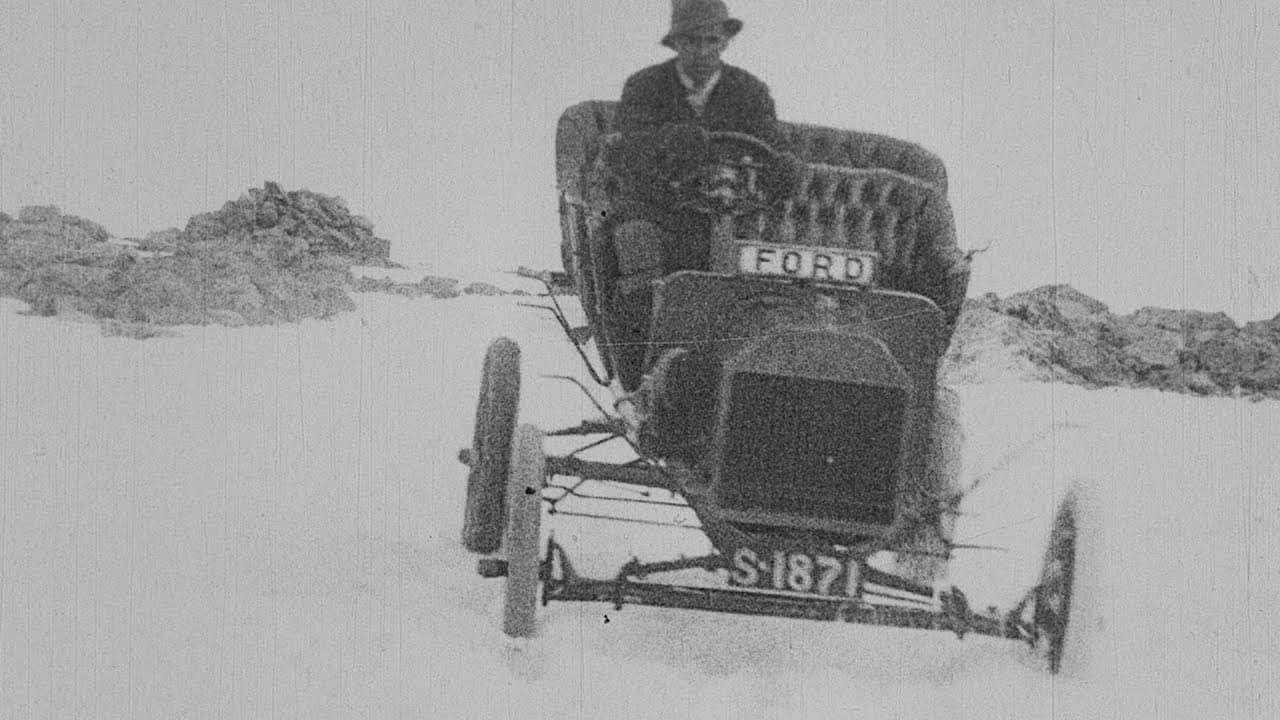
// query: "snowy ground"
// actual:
[[263, 523]]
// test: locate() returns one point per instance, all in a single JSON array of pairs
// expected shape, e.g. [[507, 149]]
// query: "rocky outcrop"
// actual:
[[296, 224], [429, 286], [55, 261], [1058, 333], [269, 256]]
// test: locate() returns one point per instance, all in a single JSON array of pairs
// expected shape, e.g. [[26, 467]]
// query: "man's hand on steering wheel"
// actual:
[[731, 178]]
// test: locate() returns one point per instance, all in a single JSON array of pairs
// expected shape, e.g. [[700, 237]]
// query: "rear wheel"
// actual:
[[523, 532], [490, 460], [1053, 593]]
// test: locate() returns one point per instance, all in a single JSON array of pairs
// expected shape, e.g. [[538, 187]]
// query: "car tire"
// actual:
[[1052, 610], [495, 422], [523, 538]]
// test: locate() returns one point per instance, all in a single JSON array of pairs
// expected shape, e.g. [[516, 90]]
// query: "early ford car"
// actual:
[[786, 392]]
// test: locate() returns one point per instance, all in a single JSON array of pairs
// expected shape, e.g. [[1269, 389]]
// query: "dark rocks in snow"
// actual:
[[428, 286], [298, 222], [56, 263], [484, 288], [270, 256], [41, 233], [1058, 333]]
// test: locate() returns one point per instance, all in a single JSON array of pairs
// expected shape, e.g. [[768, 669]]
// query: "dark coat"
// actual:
[[740, 102], [663, 139]]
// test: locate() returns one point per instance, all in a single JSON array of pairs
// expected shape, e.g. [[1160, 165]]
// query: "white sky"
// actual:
[[1126, 148]]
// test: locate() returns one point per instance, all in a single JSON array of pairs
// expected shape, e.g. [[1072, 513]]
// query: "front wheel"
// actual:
[[490, 457], [1053, 593], [523, 539]]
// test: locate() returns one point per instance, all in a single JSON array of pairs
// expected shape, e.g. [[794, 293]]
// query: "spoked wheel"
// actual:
[[490, 459], [523, 532], [1052, 595]]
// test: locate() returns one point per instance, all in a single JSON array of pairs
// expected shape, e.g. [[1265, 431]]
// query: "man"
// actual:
[[696, 87], [667, 108], [664, 111], [664, 114]]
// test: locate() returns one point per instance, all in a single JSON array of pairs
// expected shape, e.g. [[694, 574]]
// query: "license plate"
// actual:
[[795, 571], [837, 265]]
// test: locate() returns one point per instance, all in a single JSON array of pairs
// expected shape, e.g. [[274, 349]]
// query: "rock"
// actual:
[[1058, 332], [157, 292], [990, 345], [35, 214], [43, 234], [136, 331], [1155, 350], [1182, 381], [1266, 328], [1053, 305], [483, 288], [336, 209], [51, 286], [161, 240], [268, 256], [1239, 359], [267, 217], [436, 287], [1182, 321], [1081, 337]]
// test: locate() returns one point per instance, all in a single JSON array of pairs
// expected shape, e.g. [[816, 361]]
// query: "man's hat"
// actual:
[[689, 16]]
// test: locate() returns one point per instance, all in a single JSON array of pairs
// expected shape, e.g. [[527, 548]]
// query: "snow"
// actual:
[[263, 522]]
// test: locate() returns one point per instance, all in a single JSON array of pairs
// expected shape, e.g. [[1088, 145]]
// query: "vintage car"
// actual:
[[786, 392]]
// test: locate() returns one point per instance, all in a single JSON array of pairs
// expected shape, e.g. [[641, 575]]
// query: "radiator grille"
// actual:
[[813, 448]]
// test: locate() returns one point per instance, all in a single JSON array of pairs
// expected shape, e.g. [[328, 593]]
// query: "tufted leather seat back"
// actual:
[[852, 149], [582, 127], [869, 209]]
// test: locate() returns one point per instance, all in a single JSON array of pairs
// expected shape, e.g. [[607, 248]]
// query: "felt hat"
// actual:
[[689, 16]]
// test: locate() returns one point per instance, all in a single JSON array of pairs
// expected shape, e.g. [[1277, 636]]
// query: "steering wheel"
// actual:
[[725, 140], [730, 180]]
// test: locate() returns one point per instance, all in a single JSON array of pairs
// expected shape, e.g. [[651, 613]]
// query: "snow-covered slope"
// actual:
[[263, 522]]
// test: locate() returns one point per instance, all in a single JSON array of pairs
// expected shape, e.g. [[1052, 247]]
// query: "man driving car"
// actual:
[[663, 119], [666, 109], [696, 86]]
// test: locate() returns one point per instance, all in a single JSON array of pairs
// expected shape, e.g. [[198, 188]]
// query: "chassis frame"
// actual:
[[882, 598], [538, 483]]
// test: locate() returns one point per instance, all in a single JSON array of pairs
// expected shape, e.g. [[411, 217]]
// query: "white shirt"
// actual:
[[697, 96]]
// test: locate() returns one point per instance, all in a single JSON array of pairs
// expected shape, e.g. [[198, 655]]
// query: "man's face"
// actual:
[[699, 52]]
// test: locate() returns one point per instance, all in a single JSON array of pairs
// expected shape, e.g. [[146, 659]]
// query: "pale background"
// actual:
[[263, 522], [1125, 148]]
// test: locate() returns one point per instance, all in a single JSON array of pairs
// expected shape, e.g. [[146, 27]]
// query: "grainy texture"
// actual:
[[1055, 332], [269, 256]]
